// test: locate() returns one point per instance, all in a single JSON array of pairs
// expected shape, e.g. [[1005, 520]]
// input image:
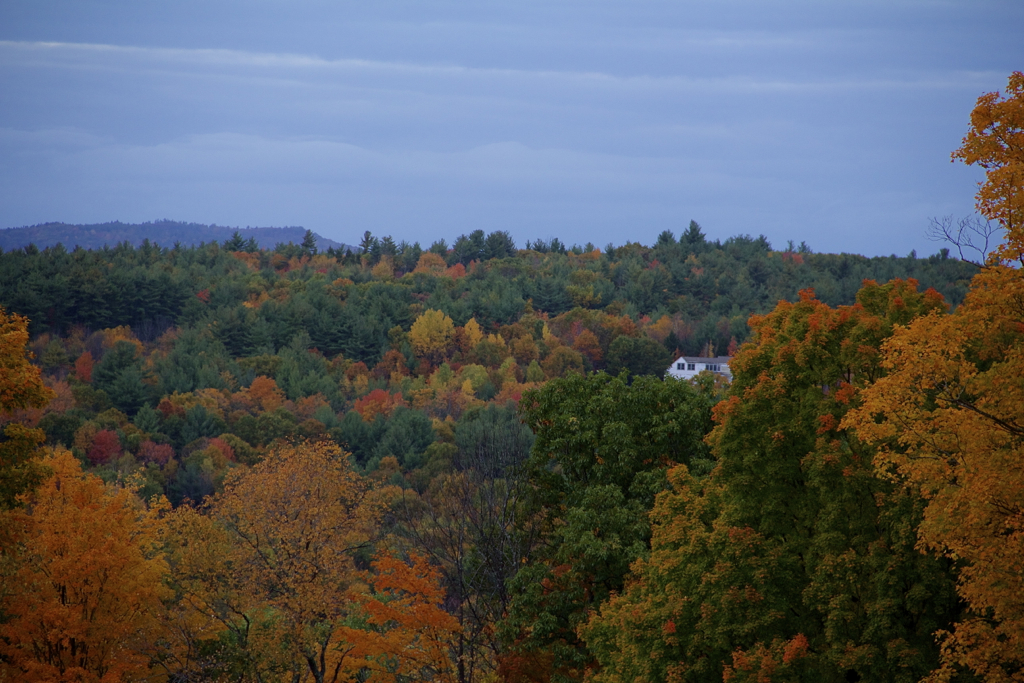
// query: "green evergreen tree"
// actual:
[[309, 243], [120, 375]]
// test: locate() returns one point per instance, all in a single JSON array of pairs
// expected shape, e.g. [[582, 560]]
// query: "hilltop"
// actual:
[[163, 232]]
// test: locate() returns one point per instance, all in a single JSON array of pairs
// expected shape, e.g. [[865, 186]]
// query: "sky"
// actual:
[[597, 121]]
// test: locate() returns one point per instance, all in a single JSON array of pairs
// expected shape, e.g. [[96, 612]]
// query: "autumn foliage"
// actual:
[[85, 599], [377, 402], [995, 142], [465, 464], [105, 447], [407, 634], [272, 568], [947, 418], [431, 335], [83, 367], [21, 387]]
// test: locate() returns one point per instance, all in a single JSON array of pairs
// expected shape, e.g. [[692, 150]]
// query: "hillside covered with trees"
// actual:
[[165, 233], [464, 463]]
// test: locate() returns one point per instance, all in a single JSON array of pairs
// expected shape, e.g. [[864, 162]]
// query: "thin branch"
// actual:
[[968, 235]]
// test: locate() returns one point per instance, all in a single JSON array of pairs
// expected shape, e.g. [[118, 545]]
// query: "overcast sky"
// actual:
[[592, 121]]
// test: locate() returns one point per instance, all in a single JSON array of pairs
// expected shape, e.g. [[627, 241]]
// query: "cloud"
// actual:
[[301, 68], [341, 189], [593, 121]]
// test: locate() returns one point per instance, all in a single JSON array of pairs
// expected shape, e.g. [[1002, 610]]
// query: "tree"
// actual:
[[308, 243], [368, 243], [21, 387], [265, 392], [236, 243], [105, 447], [473, 526], [431, 335], [791, 556], [600, 457], [275, 561], [638, 356], [693, 238], [563, 361], [431, 264], [499, 244], [474, 334], [85, 598], [995, 142], [119, 373], [83, 367], [406, 633], [947, 419]]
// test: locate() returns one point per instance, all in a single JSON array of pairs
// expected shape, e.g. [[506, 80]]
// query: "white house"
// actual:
[[686, 367]]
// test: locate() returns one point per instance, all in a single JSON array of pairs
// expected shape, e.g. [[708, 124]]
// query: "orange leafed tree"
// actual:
[[949, 416], [406, 634], [995, 142], [948, 419], [431, 264], [378, 402], [264, 391], [85, 595], [83, 367]]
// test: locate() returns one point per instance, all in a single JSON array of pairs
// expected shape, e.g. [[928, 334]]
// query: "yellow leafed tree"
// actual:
[[21, 386], [948, 418], [270, 572], [431, 335], [473, 333], [272, 568]]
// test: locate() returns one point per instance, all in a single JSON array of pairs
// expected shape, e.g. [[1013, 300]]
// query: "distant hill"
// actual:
[[165, 233]]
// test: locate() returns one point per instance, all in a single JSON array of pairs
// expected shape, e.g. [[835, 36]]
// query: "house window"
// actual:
[[691, 366], [680, 366], [713, 367]]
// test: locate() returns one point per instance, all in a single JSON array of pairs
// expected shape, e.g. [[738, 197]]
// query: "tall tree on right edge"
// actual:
[[948, 418]]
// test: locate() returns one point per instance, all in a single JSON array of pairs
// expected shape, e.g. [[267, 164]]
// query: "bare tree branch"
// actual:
[[968, 235]]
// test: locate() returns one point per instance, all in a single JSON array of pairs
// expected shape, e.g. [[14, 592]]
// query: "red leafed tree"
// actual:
[[224, 447], [159, 453], [105, 447], [167, 408], [83, 367], [378, 402]]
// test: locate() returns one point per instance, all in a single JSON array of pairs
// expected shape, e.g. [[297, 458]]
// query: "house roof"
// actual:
[[700, 359]]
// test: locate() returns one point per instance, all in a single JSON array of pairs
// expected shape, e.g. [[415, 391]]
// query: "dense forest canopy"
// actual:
[[700, 292], [464, 463], [178, 368]]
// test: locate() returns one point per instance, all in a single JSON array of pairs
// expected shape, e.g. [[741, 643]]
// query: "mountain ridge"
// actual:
[[162, 232]]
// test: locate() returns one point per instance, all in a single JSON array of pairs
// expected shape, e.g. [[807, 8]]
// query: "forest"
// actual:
[[465, 463], [163, 232]]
